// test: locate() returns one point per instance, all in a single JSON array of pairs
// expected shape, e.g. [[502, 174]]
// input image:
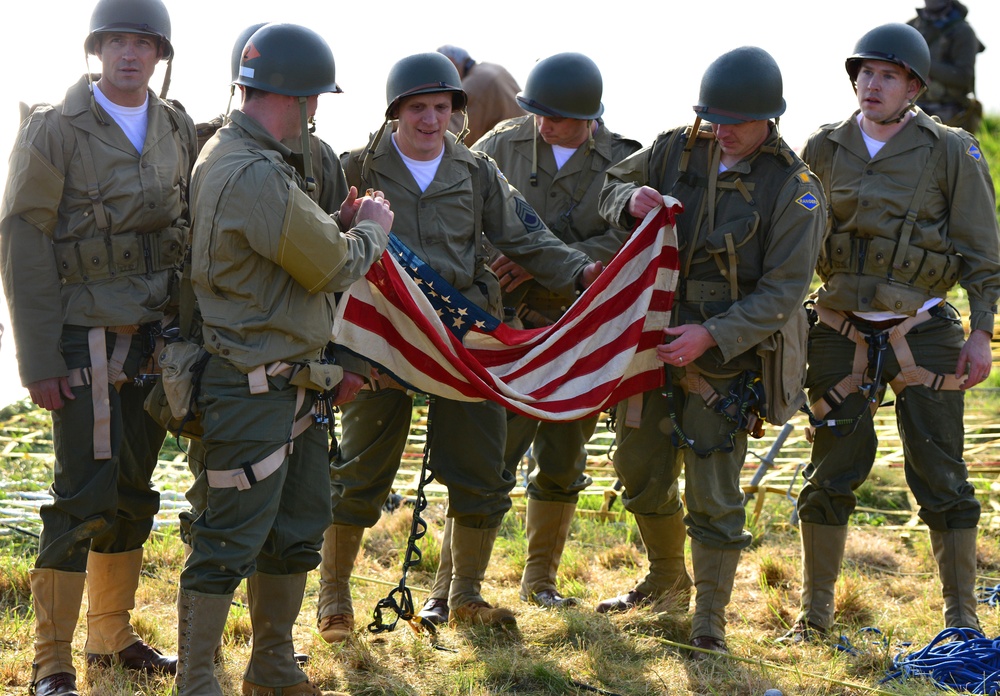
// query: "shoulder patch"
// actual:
[[974, 152], [808, 200], [529, 218]]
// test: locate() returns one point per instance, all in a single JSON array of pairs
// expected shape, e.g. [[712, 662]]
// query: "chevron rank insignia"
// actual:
[[808, 201]]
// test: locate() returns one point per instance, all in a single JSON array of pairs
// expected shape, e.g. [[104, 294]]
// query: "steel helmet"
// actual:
[[741, 85], [893, 43], [287, 59], [423, 73], [241, 42], [130, 17], [567, 85]]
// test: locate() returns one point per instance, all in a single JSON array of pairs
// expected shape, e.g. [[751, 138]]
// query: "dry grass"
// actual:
[[888, 582]]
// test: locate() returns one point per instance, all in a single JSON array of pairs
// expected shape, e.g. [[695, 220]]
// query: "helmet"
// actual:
[[423, 73], [241, 42], [565, 85], [741, 85], [287, 59], [893, 43], [130, 17]]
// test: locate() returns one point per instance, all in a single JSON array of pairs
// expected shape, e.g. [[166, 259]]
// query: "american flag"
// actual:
[[409, 322]]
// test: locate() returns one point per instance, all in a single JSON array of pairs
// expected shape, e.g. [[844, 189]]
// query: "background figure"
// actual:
[[491, 91], [913, 215], [742, 189], [92, 231], [267, 263], [447, 200], [951, 87]]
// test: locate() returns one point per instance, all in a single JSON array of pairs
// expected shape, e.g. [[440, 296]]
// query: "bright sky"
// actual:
[[652, 57]]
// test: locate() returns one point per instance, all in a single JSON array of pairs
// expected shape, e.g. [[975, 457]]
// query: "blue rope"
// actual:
[[988, 595], [960, 659]]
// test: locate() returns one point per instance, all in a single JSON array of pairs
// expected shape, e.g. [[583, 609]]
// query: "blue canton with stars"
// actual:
[[456, 311], [808, 201]]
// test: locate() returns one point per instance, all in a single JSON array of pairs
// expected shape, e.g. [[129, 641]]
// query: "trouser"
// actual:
[[106, 505], [558, 449], [648, 465], [930, 425], [466, 445], [275, 526]]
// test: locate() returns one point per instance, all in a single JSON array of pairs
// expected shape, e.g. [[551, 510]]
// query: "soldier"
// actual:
[[913, 215], [556, 158], [267, 261], [446, 199], [951, 83], [491, 90], [748, 239], [92, 230]]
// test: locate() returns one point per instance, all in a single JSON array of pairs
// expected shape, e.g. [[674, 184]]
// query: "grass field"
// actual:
[[888, 582]]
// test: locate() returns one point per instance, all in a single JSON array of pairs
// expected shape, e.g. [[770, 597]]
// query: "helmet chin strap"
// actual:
[[306, 150], [909, 108]]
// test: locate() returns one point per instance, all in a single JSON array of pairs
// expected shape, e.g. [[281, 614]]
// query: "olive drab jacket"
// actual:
[[91, 231], [565, 198], [874, 260], [249, 210], [953, 45], [467, 198], [744, 274]]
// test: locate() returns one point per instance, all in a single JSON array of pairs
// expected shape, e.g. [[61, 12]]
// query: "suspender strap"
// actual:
[[246, 475], [918, 198], [93, 188]]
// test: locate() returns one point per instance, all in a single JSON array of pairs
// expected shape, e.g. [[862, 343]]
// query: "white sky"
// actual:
[[652, 56]]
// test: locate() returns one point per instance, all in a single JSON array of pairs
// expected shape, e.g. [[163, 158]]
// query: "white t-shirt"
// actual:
[[423, 171], [562, 154], [131, 119], [871, 143]]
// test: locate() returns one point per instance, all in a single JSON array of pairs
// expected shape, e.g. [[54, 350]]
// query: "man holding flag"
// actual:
[[446, 199], [748, 241]]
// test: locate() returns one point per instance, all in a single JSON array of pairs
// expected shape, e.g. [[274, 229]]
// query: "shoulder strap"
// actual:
[[919, 194]]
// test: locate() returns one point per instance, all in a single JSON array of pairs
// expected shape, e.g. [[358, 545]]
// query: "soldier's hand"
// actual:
[[348, 388], [975, 359], [644, 199], [49, 393], [375, 207], [349, 208], [510, 273], [590, 272], [690, 342]]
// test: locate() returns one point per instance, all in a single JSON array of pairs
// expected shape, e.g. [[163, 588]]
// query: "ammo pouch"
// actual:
[[117, 255], [927, 271], [173, 400], [783, 367], [318, 376]]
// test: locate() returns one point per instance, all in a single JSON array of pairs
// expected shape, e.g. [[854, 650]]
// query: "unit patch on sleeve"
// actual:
[[808, 201]]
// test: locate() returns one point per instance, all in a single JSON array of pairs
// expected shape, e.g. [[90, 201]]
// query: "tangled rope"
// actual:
[[988, 595], [959, 659]]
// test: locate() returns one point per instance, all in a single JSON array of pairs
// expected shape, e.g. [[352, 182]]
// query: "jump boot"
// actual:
[[112, 580], [714, 576], [56, 597], [667, 579], [955, 553], [546, 527], [470, 554], [275, 602], [822, 555], [334, 609], [435, 608], [201, 619]]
